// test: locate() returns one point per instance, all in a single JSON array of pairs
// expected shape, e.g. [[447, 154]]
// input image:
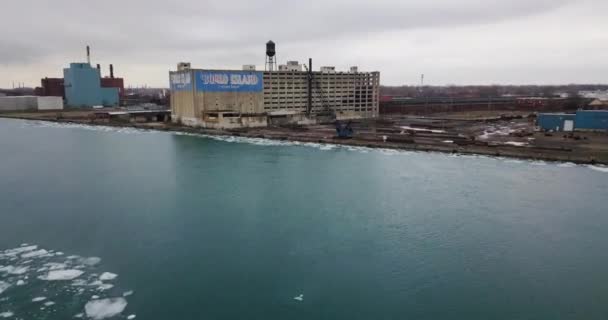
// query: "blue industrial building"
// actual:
[[83, 87], [582, 120]]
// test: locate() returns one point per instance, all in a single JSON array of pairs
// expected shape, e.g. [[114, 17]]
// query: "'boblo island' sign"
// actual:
[[229, 81]]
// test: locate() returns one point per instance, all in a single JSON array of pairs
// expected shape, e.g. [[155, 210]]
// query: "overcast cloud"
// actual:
[[451, 42]]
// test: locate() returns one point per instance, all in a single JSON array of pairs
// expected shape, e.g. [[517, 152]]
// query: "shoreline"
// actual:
[[521, 153]]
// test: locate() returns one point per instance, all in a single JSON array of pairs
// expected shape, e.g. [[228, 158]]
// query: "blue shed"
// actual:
[[556, 121], [83, 87], [592, 120]]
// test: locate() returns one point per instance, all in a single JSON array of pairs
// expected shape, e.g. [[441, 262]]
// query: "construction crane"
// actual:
[[317, 86]]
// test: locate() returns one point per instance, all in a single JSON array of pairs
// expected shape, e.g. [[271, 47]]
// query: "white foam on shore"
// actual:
[[105, 308], [6, 314], [108, 276], [598, 168], [56, 275], [567, 165]]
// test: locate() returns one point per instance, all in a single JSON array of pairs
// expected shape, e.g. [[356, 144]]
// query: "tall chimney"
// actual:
[[89, 54], [111, 71]]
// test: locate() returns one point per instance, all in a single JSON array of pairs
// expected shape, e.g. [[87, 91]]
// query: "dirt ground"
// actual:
[[495, 133]]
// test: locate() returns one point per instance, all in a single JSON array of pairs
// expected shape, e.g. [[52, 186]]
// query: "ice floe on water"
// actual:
[[131, 317], [6, 314], [105, 308], [57, 275], [299, 297], [58, 285], [107, 276]]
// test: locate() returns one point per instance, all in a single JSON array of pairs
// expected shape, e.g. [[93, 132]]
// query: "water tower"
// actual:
[[271, 63]]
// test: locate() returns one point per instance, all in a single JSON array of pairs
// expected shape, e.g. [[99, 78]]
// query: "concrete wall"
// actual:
[[50, 103], [24, 103]]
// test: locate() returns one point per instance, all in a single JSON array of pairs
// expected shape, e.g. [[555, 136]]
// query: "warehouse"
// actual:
[[249, 98], [583, 120]]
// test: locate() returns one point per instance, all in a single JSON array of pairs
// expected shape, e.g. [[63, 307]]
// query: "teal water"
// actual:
[[199, 228]]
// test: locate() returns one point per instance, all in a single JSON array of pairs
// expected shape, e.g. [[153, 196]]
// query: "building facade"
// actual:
[[583, 120], [247, 98], [83, 88]]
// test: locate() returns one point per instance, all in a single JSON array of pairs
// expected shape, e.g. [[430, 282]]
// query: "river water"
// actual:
[[113, 223]]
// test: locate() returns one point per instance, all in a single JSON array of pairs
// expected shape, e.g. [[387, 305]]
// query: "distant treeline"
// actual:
[[488, 91]]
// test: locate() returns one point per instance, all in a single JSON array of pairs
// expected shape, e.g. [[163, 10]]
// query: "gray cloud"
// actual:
[[230, 33]]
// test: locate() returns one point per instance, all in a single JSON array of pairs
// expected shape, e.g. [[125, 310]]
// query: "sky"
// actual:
[[451, 42]]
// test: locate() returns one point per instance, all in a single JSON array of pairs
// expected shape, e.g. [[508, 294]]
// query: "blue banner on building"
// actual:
[[229, 81], [180, 81]]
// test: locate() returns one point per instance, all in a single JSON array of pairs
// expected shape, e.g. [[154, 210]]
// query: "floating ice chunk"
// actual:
[[6, 314], [3, 286], [19, 270], [55, 265], [95, 283], [26, 261], [131, 317], [79, 282], [598, 168], [91, 261], [299, 298], [49, 303], [20, 282], [95, 297], [80, 315], [72, 257], [24, 244], [61, 275], [127, 293], [58, 253], [105, 308], [105, 286], [107, 276], [16, 251], [34, 254], [38, 299]]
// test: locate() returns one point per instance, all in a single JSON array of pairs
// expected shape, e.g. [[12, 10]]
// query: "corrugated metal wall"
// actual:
[[592, 120], [553, 121]]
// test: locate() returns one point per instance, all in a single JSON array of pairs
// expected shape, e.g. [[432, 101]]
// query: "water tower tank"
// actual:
[[270, 49]]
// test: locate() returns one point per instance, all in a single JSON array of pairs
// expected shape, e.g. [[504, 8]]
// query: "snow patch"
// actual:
[[62, 275], [105, 308], [108, 276], [516, 144], [422, 129]]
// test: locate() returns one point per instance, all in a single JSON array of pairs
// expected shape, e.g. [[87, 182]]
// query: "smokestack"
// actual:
[[111, 71], [89, 54]]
